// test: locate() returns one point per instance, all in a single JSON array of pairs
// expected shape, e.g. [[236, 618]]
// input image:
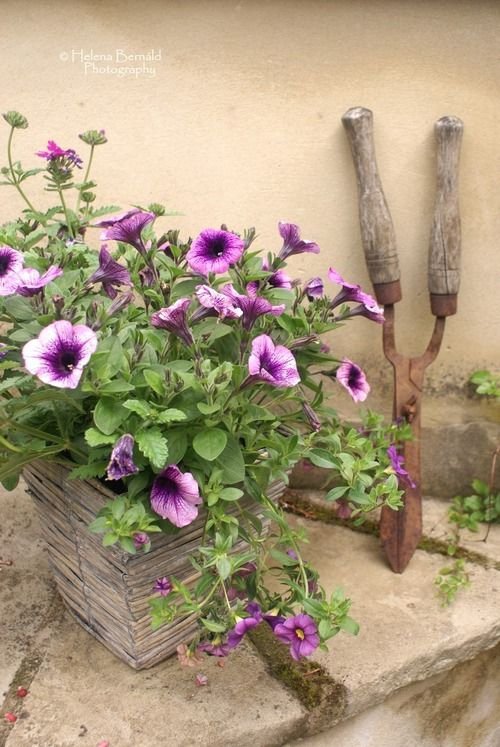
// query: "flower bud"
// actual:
[[16, 120], [93, 137], [157, 209], [311, 416]]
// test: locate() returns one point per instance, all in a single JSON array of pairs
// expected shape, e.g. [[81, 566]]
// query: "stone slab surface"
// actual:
[[82, 689], [405, 635], [460, 708], [26, 587]]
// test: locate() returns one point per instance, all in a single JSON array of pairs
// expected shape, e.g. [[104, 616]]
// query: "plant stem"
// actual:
[[9, 446], [85, 179], [65, 208], [13, 173]]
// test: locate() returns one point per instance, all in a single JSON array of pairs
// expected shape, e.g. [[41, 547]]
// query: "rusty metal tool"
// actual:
[[400, 531]]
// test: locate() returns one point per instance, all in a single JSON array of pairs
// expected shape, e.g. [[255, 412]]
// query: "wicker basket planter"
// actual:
[[105, 589]]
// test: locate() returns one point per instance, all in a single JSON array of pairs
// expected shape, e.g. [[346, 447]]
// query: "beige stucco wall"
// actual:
[[240, 123]]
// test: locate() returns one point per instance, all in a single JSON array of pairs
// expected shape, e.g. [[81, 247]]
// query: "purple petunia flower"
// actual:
[[216, 648], [292, 243], [236, 635], [174, 318], [141, 539], [370, 309], [108, 222], [214, 250], [278, 279], [252, 306], [110, 273], [163, 586], [3, 350], [300, 634], [272, 364], [59, 353], [128, 228], [353, 379], [121, 463], [397, 462], [30, 282], [351, 292], [222, 304], [314, 288], [175, 496], [11, 262], [54, 152]]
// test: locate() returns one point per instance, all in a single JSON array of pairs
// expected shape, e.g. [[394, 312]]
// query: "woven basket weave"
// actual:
[[105, 588]]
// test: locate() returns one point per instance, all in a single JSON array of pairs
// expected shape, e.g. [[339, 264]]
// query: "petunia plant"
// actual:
[[188, 374]]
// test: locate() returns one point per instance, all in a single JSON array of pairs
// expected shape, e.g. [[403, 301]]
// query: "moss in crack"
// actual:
[[318, 510], [441, 547], [325, 699], [315, 511]]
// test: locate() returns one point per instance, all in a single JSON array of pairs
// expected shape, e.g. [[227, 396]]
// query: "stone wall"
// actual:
[[239, 121]]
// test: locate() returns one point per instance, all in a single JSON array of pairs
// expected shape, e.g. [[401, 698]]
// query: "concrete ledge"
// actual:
[[79, 693]]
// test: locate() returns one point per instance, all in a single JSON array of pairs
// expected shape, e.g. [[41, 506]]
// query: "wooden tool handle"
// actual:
[[377, 230], [445, 241]]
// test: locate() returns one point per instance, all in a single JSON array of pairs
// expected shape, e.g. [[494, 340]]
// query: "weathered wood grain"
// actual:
[[445, 240], [377, 230], [105, 588]]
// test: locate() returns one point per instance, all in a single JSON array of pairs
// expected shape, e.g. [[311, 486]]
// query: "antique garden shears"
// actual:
[[400, 531]]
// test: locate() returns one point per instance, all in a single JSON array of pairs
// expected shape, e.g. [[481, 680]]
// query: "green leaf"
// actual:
[[210, 443], [109, 539], [153, 445], [109, 358], [108, 415], [336, 493], [223, 566], [138, 406], [171, 415], [116, 386], [19, 308], [14, 381], [99, 525], [213, 627], [321, 458], [137, 484], [350, 625], [325, 629], [212, 499], [184, 289], [118, 508], [95, 438], [207, 409], [155, 380], [232, 462], [88, 471], [283, 558], [177, 445], [231, 494], [10, 483], [128, 545]]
